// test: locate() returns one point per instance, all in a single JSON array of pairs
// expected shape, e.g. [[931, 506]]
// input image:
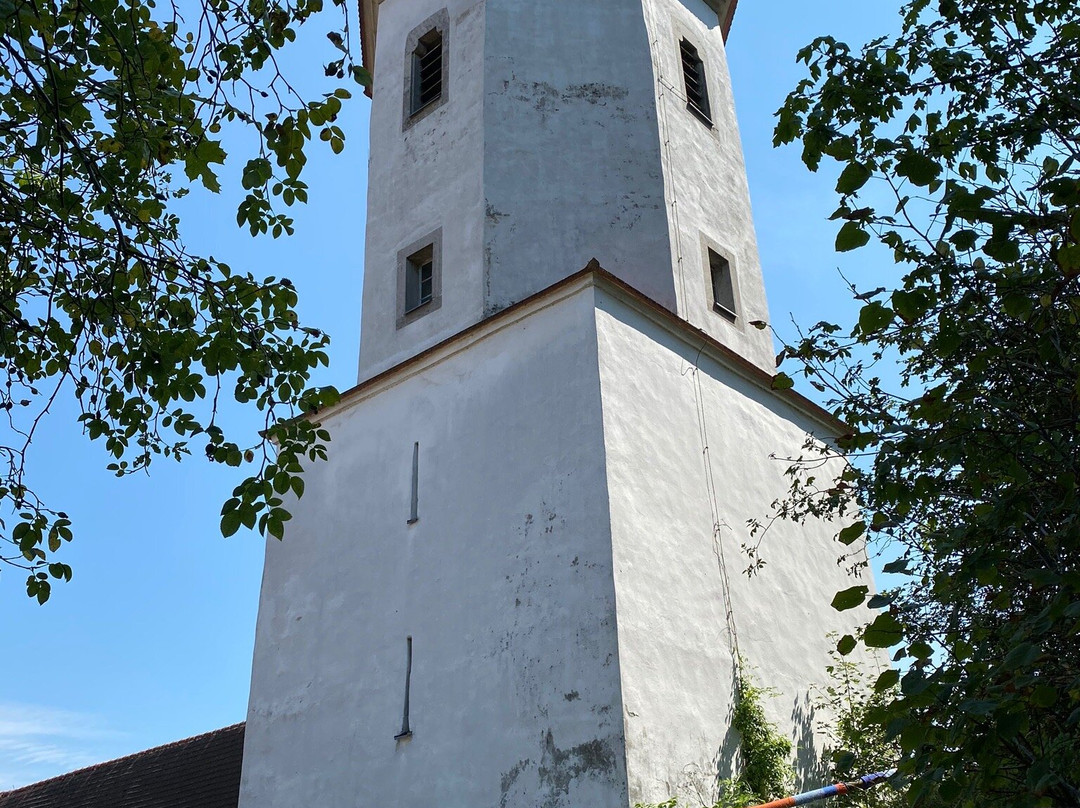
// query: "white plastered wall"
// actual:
[[705, 179], [571, 149], [565, 137], [422, 178], [665, 399], [561, 585], [504, 584]]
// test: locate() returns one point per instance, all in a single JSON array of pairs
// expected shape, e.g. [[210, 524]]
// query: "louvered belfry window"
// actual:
[[697, 91], [427, 70]]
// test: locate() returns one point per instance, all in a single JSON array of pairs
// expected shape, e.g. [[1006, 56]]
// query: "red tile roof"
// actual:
[[199, 772]]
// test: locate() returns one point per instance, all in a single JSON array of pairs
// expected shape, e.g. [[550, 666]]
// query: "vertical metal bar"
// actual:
[[405, 731], [414, 513]]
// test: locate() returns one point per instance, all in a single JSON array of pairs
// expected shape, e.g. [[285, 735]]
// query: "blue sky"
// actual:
[[152, 640]]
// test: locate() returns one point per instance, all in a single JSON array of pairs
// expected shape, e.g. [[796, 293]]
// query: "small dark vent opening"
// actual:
[[427, 70], [697, 91]]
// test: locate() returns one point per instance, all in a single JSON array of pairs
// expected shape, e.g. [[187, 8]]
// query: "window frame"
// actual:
[[687, 49], [411, 259], [419, 272], [720, 275], [734, 317], [438, 23]]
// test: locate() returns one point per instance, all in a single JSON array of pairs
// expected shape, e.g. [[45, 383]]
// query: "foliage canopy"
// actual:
[[958, 143], [109, 111]]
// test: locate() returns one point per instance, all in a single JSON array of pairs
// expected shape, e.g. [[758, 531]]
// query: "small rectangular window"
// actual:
[[427, 70], [419, 279], [723, 289], [697, 91]]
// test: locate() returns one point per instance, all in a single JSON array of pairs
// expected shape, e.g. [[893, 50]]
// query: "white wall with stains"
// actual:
[[422, 178], [670, 408], [572, 165], [561, 585], [705, 179], [565, 137], [505, 585]]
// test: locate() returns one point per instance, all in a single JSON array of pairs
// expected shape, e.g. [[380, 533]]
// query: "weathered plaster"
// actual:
[[565, 137], [425, 178], [561, 584], [675, 652], [571, 149], [504, 583], [705, 177]]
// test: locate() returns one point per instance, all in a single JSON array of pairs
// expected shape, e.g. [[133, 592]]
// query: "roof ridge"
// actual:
[[128, 758]]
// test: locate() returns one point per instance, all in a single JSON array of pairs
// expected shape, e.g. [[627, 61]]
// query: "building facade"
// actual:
[[517, 581]]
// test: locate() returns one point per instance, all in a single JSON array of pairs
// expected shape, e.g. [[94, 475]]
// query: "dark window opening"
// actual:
[[427, 71], [723, 288], [419, 279], [697, 91]]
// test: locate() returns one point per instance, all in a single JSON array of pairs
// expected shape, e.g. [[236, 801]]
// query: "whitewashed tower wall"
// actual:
[[543, 478], [564, 137]]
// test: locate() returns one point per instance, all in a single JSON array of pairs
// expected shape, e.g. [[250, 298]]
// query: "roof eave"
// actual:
[[728, 16], [369, 12], [598, 275]]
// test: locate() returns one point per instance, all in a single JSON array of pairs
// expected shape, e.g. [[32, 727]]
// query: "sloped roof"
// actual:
[[727, 17], [199, 772], [369, 16]]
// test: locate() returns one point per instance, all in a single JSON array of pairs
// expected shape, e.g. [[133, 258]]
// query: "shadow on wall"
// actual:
[[810, 771], [700, 784]]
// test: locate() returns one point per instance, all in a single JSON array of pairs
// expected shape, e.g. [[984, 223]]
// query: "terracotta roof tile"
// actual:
[[199, 772]]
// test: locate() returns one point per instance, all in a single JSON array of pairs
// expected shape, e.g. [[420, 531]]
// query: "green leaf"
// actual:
[[964, 240], [781, 381], [1018, 305], [918, 168], [230, 523], [1022, 656], [1044, 696], [889, 679], [880, 601], [920, 650], [851, 237], [884, 632], [852, 533], [909, 305], [874, 317], [1068, 258], [846, 645], [296, 482], [852, 178], [1004, 250], [850, 598], [198, 161], [978, 707]]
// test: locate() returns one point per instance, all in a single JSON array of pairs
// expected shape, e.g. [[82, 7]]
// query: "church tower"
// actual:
[[517, 582]]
